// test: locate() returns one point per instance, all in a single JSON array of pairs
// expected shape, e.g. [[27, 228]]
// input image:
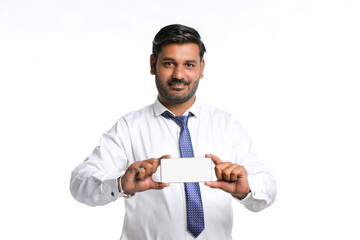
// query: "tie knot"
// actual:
[[180, 120]]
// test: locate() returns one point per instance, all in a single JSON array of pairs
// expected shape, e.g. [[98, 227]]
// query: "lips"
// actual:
[[178, 83], [178, 86]]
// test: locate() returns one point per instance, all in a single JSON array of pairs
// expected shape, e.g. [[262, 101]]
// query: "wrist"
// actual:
[[121, 190], [242, 196]]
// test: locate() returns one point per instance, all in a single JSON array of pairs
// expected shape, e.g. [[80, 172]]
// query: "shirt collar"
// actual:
[[159, 108]]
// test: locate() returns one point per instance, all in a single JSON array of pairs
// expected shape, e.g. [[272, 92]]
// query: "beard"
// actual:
[[175, 98]]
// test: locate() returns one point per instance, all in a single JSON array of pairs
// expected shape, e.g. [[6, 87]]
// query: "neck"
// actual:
[[177, 108]]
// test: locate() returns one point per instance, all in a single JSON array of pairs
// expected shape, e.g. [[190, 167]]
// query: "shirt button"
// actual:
[[112, 194]]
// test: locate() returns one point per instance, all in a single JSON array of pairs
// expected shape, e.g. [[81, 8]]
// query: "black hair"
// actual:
[[177, 33]]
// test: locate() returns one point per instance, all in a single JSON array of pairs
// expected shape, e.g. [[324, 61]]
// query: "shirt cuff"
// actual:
[[255, 200], [111, 188]]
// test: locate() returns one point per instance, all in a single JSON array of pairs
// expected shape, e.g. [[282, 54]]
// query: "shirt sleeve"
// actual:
[[94, 182], [261, 181]]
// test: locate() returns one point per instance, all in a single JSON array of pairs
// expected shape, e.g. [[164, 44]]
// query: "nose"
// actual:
[[178, 72]]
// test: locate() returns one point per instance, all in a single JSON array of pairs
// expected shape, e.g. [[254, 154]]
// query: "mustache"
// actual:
[[177, 81]]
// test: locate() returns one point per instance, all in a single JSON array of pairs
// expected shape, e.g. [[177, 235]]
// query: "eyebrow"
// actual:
[[172, 59]]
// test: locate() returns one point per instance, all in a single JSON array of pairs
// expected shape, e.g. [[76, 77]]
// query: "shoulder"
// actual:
[[132, 120], [214, 112], [140, 114], [219, 117], [137, 117]]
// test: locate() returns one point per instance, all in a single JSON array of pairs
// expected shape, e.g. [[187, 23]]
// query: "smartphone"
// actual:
[[179, 170]]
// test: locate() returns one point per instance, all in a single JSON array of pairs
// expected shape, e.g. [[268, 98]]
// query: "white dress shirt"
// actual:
[[161, 214]]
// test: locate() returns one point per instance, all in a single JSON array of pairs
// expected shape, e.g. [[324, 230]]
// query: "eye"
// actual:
[[189, 65], [167, 64]]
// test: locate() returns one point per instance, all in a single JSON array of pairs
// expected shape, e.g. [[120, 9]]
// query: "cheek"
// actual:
[[194, 75], [164, 74]]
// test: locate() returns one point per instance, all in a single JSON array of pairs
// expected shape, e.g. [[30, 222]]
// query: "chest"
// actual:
[[156, 139]]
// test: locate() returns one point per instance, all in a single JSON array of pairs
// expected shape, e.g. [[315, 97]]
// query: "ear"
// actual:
[[202, 65], [152, 64]]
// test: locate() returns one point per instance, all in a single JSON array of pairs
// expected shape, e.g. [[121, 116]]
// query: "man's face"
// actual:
[[177, 72]]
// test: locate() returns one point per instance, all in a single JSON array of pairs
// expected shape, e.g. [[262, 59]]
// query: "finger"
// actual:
[[158, 185], [143, 169], [156, 162], [235, 174], [148, 166], [134, 168], [214, 184], [243, 174], [229, 187], [228, 174], [140, 173], [139, 168], [165, 156], [214, 158], [239, 172], [219, 169]]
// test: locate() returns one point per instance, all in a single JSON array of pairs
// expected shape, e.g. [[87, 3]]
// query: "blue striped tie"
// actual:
[[194, 208]]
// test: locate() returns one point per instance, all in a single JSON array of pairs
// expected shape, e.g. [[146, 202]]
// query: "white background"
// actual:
[[288, 70]]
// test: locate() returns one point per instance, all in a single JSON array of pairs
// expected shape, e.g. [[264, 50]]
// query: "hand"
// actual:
[[232, 178], [138, 177]]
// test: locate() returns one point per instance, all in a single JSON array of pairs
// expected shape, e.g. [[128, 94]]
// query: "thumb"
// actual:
[[214, 184], [223, 185], [157, 185]]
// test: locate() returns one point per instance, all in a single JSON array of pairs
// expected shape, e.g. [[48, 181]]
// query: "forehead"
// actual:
[[183, 51]]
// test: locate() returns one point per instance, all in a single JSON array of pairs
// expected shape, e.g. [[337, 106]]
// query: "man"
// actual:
[[126, 161]]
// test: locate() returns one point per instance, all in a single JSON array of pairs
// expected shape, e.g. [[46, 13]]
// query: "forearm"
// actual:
[[94, 181], [94, 188], [261, 182], [263, 192]]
